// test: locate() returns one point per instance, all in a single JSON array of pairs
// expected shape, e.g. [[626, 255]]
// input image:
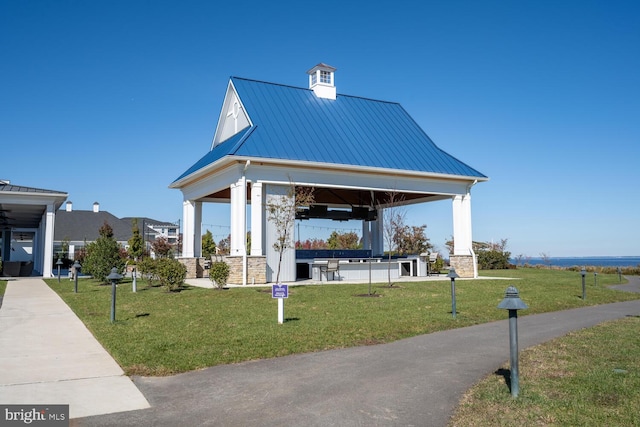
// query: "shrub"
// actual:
[[493, 260], [438, 265], [171, 273], [147, 268], [102, 255], [219, 273]]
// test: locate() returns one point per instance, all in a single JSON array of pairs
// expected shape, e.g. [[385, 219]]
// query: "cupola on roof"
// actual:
[[322, 81]]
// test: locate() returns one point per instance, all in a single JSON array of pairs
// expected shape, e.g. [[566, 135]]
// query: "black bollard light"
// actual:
[[59, 263], [583, 272], [513, 303], [114, 277], [453, 275], [595, 278], [77, 267]]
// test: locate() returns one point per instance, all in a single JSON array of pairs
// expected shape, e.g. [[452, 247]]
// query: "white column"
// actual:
[[197, 229], [239, 218], [49, 220], [366, 235], [462, 237], [188, 228], [377, 234], [38, 247], [6, 244], [257, 220]]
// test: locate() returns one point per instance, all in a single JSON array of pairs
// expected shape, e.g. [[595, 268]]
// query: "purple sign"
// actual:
[[279, 291]]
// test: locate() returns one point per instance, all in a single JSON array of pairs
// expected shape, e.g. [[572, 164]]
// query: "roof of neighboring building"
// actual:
[[292, 123], [80, 225], [148, 221], [6, 186]]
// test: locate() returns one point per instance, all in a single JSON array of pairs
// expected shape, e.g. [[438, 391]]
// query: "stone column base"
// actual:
[[463, 265], [195, 267], [256, 269]]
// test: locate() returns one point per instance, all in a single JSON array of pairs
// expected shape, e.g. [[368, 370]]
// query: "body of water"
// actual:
[[623, 261]]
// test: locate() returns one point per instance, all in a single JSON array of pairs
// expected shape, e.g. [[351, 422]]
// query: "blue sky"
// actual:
[[110, 101]]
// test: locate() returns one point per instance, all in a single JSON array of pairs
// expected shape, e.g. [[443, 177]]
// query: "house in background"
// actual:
[[77, 228], [151, 229]]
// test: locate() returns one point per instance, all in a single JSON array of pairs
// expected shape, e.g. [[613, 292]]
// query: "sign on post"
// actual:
[[280, 292]]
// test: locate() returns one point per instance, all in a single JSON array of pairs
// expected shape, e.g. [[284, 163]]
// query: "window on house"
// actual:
[[314, 78]]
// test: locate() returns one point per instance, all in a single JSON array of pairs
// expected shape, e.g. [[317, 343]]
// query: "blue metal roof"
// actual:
[[292, 123]]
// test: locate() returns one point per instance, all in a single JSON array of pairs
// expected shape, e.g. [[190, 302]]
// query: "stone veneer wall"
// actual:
[[463, 265], [256, 269], [195, 267]]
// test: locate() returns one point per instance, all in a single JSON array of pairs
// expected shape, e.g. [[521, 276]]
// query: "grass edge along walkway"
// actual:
[[588, 377], [160, 333]]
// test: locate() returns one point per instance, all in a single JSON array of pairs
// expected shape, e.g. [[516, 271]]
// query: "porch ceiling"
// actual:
[[346, 197], [21, 215]]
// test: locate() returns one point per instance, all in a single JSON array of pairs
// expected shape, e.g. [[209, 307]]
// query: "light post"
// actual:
[[513, 303], [583, 272], [619, 275], [59, 263], [114, 277], [595, 278], [77, 267], [133, 274], [453, 275]]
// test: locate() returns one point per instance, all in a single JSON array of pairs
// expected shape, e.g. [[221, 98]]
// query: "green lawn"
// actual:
[[587, 378], [160, 333]]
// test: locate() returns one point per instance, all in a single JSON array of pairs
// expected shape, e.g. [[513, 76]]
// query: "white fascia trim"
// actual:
[[302, 164], [369, 169], [29, 198]]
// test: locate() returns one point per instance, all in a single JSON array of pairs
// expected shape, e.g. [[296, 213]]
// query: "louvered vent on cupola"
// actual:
[[322, 81]]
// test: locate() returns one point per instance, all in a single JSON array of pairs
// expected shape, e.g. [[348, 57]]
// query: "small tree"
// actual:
[[161, 247], [208, 245], [136, 245], [412, 240], [103, 255], [348, 240], [393, 222], [546, 259], [282, 213], [312, 244], [147, 268], [224, 246]]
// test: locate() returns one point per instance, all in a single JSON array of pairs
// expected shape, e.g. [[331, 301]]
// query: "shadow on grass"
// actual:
[[506, 374]]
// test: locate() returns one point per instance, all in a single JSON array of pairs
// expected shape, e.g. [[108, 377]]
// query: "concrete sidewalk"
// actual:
[[413, 382], [48, 356]]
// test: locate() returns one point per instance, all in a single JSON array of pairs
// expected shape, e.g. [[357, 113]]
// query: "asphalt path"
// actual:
[[412, 382]]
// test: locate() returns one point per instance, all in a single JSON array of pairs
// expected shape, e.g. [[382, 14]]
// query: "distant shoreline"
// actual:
[[603, 261]]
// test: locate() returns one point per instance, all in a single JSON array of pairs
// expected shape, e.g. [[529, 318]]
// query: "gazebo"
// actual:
[[355, 153], [27, 219]]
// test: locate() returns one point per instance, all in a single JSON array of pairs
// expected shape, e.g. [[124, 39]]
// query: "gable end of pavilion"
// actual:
[[233, 117]]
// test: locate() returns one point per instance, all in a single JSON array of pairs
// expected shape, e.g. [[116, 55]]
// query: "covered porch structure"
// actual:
[[362, 157], [27, 220], [359, 195]]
